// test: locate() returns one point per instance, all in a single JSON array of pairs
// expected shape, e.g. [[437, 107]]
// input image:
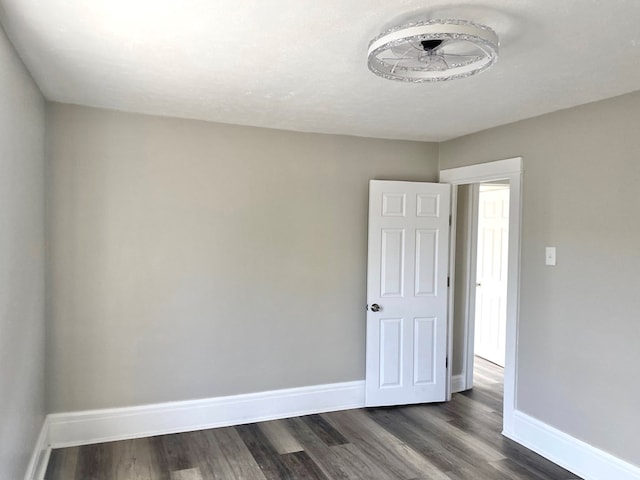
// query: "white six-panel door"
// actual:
[[491, 273], [407, 292]]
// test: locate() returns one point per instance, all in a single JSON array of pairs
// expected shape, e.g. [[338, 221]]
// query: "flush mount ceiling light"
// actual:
[[433, 51]]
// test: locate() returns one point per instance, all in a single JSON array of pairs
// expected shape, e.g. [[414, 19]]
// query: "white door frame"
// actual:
[[510, 169]]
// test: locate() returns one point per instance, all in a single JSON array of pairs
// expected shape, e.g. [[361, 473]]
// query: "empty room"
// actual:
[[319, 240]]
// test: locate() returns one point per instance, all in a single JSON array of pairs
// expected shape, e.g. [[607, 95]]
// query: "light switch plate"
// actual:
[[550, 256]]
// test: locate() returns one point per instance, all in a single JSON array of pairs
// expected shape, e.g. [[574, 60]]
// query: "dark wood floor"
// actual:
[[458, 440]]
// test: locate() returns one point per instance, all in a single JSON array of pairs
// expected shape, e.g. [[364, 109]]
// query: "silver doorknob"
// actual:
[[375, 307]]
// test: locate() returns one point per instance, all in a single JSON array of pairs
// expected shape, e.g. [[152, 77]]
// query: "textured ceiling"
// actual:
[[301, 64]]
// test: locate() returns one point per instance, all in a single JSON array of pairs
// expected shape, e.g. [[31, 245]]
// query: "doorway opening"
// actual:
[[482, 258], [489, 254]]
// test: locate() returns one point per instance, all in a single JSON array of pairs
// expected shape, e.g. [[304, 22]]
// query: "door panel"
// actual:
[[407, 279], [391, 352], [426, 256], [424, 348], [392, 263]]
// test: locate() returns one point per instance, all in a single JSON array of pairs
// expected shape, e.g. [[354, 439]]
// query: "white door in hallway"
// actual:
[[407, 292], [491, 273]]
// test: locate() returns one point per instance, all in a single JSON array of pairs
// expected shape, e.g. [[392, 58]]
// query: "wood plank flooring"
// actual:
[[459, 440]]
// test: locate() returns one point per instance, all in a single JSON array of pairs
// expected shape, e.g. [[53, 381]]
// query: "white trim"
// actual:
[[458, 383], [40, 456], [575, 455], [482, 172], [95, 426], [510, 169]]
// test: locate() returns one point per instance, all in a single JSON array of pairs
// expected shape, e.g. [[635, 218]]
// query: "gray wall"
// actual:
[[579, 343], [192, 260], [21, 263]]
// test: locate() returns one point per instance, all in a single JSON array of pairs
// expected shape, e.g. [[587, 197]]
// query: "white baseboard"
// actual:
[[86, 427], [95, 426], [575, 455], [458, 383], [40, 455]]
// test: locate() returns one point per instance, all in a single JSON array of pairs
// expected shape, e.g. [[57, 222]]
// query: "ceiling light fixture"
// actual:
[[433, 51]]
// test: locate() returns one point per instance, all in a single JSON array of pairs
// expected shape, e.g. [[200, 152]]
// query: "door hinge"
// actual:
[[450, 219], [448, 281], [446, 363]]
